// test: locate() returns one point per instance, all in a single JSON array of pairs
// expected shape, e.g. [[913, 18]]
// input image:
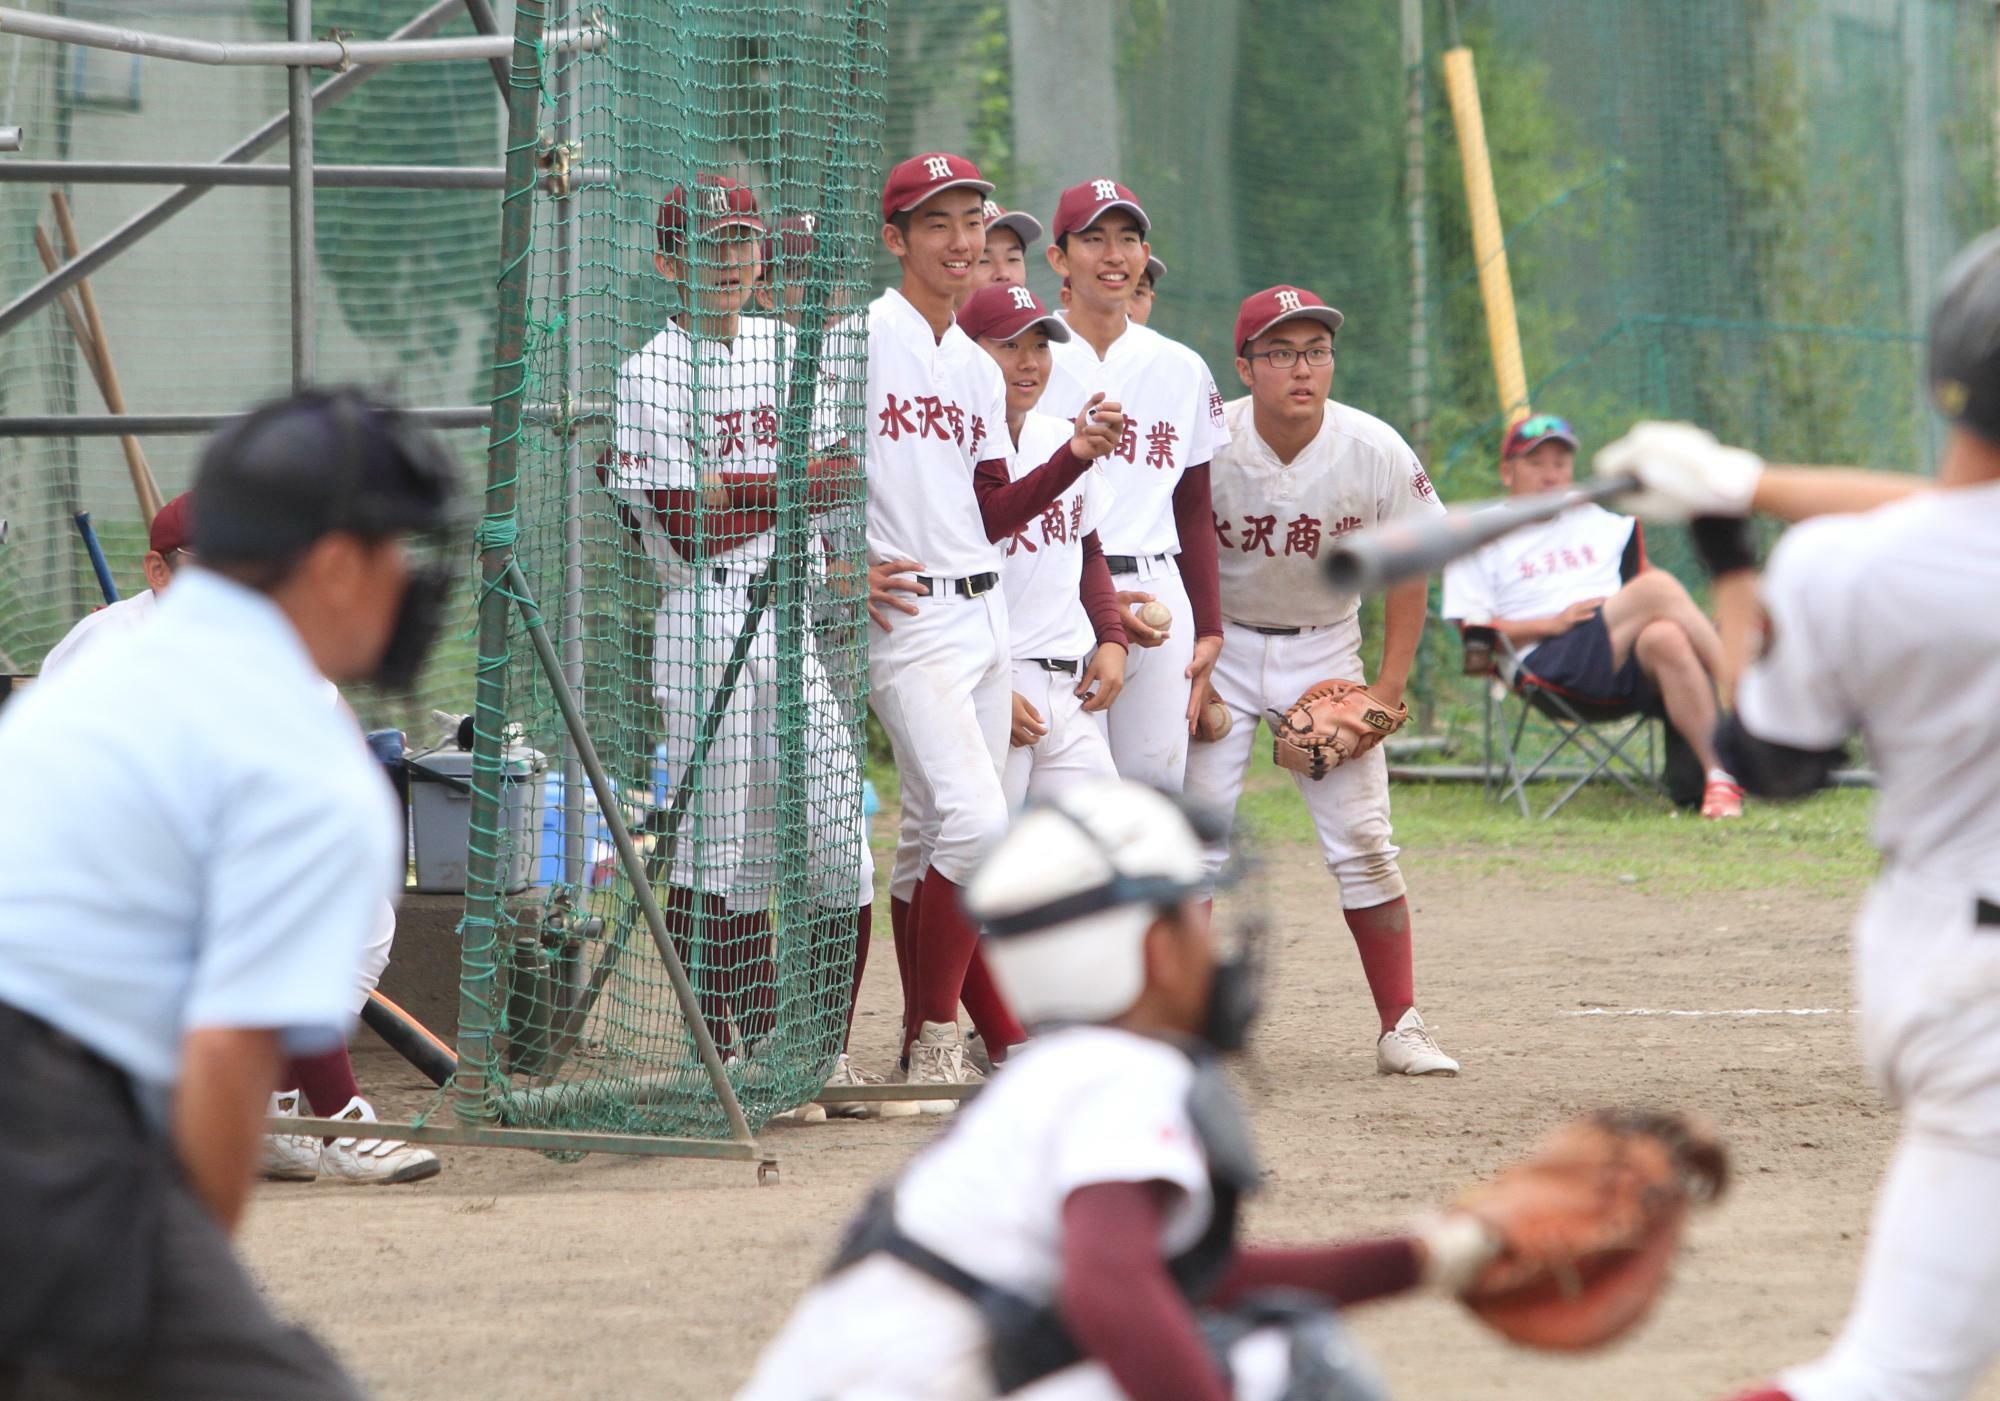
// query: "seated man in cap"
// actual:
[[1588, 617]]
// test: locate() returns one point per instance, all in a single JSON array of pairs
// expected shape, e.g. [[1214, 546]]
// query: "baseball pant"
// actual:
[[1259, 673], [911, 859], [1923, 1325], [374, 955], [1147, 724], [939, 682], [1073, 751]]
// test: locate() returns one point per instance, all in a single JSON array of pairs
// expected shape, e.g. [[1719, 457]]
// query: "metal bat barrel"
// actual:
[[1383, 556]]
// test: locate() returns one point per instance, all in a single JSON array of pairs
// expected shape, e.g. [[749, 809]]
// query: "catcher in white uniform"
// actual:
[[1884, 624], [1157, 540], [1299, 471]]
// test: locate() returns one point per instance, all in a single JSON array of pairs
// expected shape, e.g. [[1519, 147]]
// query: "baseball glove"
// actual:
[[1588, 1226], [1333, 722]]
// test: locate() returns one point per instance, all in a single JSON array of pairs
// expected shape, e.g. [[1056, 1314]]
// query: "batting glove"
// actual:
[[1683, 472]]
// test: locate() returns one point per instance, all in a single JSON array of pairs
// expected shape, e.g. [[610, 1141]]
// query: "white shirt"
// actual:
[[1043, 572], [1274, 520], [1886, 624], [1075, 1108], [1539, 570], [935, 410], [190, 838], [1173, 421], [97, 625]]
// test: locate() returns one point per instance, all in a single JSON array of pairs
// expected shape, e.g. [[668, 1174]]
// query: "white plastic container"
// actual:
[[441, 811]]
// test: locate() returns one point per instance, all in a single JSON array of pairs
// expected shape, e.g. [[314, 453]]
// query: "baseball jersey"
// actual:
[[1539, 570], [936, 408], [1173, 421], [1076, 1108], [1274, 520], [1043, 571], [1884, 624], [96, 626]]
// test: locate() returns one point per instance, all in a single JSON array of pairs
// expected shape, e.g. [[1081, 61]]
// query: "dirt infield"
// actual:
[[512, 1276]]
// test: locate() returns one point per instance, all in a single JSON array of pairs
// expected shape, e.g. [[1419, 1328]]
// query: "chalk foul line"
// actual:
[[1728, 1012]]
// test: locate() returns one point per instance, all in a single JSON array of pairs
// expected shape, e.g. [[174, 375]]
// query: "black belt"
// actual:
[[971, 586], [1129, 564], [1986, 914], [1067, 668], [1271, 632]]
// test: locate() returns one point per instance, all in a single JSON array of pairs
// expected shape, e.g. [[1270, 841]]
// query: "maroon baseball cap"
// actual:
[[798, 235], [1263, 310], [1002, 311], [920, 177], [1531, 432], [1026, 226], [1156, 270], [173, 527], [1083, 205], [720, 203]]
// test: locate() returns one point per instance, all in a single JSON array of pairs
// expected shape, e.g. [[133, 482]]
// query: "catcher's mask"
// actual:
[[1066, 898]]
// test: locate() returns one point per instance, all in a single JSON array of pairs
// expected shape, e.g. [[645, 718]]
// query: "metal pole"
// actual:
[[311, 53], [477, 1000], [1413, 179], [150, 218], [485, 23], [305, 311], [182, 424], [10, 138], [570, 278], [340, 177]]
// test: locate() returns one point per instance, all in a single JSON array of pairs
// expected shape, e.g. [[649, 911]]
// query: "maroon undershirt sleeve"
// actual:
[[1194, 521], [1341, 1274], [696, 536], [1100, 597], [1118, 1301], [829, 481], [1006, 506]]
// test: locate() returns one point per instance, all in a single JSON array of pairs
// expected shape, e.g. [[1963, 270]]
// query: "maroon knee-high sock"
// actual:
[[751, 971], [696, 924], [1765, 1393], [327, 1080], [907, 959], [1382, 938], [944, 943], [864, 923], [988, 1009]]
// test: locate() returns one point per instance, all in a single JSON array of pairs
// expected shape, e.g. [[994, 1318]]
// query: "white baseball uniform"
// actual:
[[1284, 629], [1076, 1107], [1174, 421], [939, 679], [95, 626], [689, 405], [1051, 637], [1539, 570], [1883, 624]]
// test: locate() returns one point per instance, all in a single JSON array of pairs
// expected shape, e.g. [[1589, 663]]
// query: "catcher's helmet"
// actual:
[[1965, 340]]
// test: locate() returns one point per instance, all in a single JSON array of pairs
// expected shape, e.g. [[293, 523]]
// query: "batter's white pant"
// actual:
[[1147, 724], [939, 681], [1350, 806], [374, 956], [1073, 751], [1925, 1325]]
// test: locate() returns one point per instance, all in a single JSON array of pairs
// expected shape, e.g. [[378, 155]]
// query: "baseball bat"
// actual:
[[1382, 556], [409, 1038], [104, 580]]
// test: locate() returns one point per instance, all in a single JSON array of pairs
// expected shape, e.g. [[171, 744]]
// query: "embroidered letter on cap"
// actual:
[[937, 167], [1024, 300], [715, 199], [1104, 189], [992, 211], [1288, 301]]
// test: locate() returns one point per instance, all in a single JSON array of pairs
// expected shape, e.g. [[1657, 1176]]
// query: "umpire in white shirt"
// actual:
[[193, 846]]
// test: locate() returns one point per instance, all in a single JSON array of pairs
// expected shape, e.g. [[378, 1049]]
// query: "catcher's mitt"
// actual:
[[1333, 722], [1588, 1226]]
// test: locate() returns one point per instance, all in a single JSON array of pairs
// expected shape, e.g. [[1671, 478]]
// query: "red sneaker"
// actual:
[[1721, 798]]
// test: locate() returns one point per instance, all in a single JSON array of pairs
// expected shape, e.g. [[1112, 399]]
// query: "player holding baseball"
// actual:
[[1883, 624], [940, 499], [1297, 471], [1159, 538], [1062, 616]]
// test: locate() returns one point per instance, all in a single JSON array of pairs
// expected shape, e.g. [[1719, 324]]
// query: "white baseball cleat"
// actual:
[[848, 1075], [937, 1057], [807, 1113], [288, 1157], [1408, 1049], [374, 1160]]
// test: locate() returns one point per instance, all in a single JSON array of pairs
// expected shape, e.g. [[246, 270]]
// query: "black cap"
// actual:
[[321, 461], [1965, 340]]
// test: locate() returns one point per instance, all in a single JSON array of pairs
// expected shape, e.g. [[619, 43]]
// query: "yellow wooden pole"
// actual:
[[1496, 288]]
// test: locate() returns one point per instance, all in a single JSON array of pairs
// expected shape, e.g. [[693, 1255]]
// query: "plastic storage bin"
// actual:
[[441, 810]]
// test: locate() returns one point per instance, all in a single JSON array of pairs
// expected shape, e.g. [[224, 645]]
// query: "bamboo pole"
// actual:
[[1489, 248]]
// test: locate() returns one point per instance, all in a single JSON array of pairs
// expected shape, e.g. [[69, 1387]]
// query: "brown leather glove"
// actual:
[[1333, 722]]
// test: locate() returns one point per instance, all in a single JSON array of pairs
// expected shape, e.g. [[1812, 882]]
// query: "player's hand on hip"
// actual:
[[1206, 650], [1027, 725], [1098, 428], [1135, 630], [887, 582], [715, 493], [1683, 472], [1106, 673]]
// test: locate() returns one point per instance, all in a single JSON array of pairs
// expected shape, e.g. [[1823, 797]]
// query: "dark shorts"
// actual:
[[1578, 664]]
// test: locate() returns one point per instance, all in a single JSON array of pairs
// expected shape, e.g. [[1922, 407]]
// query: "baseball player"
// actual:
[[1062, 615], [1005, 257], [940, 498], [699, 414], [1073, 1235], [167, 549], [1159, 538], [1297, 471], [211, 865], [1149, 285], [1882, 624], [1587, 615]]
